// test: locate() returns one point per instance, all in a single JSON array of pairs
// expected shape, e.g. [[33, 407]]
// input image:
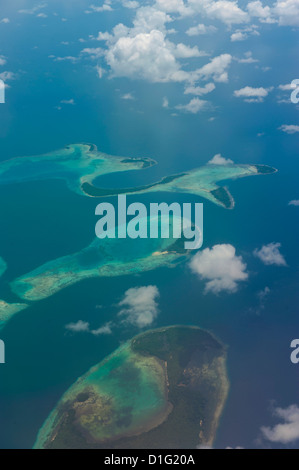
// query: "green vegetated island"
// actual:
[[165, 388]]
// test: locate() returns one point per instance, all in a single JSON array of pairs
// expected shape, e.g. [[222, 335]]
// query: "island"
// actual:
[[77, 164], [81, 164], [8, 310], [109, 257], [200, 182], [164, 389]]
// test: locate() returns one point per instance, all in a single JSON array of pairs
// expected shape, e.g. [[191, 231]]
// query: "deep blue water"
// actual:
[[41, 221]]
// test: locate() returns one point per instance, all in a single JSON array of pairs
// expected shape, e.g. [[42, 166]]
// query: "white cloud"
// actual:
[[287, 12], [270, 255], [194, 106], [165, 102], [144, 51], [140, 306], [248, 59], [287, 431], [99, 9], [128, 97], [79, 327], [103, 330], [220, 267], [289, 129], [5, 21], [283, 12], [184, 52], [132, 4], [215, 69], [244, 33], [257, 10], [226, 11], [200, 29], [71, 102], [148, 19], [93, 52], [2, 60], [100, 71], [252, 94], [84, 327], [238, 36], [5, 76], [219, 160], [147, 56], [287, 87], [32, 11], [294, 202], [68, 58], [263, 294], [173, 6], [199, 91]]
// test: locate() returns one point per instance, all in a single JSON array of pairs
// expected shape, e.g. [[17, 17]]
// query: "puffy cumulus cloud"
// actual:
[[5, 76], [238, 36], [252, 95], [294, 202], [257, 10], [79, 327], [248, 59], [220, 267], [283, 12], [5, 21], [287, 128], [287, 431], [93, 52], [220, 160], [200, 29], [215, 69], [270, 255], [144, 51], [149, 18], [244, 33], [223, 10], [199, 91], [173, 6], [99, 9], [2, 60], [84, 327], [144, 56], [140, 306], [287, 87], [185, 52], [103, 330], [194, 106], [132, 4], [287, 12]]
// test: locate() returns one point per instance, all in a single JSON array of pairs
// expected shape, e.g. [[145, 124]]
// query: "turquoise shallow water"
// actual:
[[51, 360], [43, 221]]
